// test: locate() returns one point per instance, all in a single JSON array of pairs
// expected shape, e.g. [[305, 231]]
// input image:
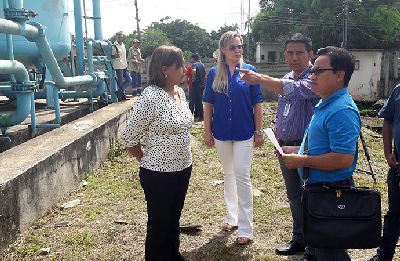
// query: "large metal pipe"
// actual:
[[16, 4], [23, 98], [101, 87], [10, 27], [79, 36], [16, 68], [52, 65], [98, 34], [36, 34]]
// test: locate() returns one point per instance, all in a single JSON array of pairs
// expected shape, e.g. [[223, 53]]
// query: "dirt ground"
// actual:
[[110, 221]]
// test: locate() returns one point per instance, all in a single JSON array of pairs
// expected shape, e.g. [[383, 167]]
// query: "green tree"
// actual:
[[151, 39], [187, 36], [371, 23]]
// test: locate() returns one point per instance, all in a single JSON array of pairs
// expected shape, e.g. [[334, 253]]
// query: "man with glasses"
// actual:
[[295, 107], [331, 151]]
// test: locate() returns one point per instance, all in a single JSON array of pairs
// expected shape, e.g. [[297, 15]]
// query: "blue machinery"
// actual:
[[45, 43]]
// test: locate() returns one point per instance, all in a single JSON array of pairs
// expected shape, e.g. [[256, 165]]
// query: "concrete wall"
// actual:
[[365, 80], [37, 173], [262, 50]]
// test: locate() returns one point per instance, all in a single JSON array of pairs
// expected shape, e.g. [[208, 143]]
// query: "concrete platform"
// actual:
[[70, 110], [35, 174]]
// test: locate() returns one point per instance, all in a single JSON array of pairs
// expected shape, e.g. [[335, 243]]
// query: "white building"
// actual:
[[375, 75]]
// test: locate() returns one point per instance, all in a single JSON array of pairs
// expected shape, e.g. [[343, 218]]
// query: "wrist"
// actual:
[[259, 132]]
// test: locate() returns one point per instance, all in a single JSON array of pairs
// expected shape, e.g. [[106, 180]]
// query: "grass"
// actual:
[[114, 193]]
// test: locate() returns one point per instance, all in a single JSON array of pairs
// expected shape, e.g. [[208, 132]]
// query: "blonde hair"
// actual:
[[220, 83]]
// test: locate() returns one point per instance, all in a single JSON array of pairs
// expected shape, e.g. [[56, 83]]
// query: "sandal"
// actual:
[[243, 240], [228, 228]]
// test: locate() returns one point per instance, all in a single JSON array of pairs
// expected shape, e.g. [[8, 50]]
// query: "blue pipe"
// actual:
[[98, 34], [11, 27], [84, 94], [90, 56], [10, 47], [17, 4], [52, 65], [23, 97], [79, 36]]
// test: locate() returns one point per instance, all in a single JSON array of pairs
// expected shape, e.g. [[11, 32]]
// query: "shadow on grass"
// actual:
[[219, 248]]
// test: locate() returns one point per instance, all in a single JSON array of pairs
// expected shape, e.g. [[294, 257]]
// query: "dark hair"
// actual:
[[195, 56], [163, 56], [340, 60], [299, 38]]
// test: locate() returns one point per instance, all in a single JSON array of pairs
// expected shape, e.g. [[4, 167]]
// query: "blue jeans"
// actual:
[[294, 192], [391, 226], [123, 80], [136, 79]]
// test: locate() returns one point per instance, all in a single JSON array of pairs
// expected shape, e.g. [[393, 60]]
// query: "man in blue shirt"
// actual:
[[391, 130], [196, 90], [332, 133]]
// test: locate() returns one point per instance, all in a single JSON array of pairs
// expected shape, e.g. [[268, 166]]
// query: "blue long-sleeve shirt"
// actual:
[[295, 106], [233, 116]]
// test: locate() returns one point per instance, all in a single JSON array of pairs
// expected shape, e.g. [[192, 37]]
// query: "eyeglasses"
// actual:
[[232, 48], [297, 53], [318, 71]]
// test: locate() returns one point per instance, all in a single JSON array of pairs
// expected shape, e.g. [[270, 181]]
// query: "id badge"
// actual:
[[286, 110]]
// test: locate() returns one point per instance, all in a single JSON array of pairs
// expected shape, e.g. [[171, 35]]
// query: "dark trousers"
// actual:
[[165, 195], [195, 100], [391, 226]]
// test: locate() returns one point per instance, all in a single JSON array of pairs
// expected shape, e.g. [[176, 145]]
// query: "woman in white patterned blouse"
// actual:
[[162, 120]]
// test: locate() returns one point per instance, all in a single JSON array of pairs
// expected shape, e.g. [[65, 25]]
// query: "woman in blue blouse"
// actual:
[[233, 122]]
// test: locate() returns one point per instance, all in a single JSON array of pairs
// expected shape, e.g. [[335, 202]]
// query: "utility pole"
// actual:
[[345, 28], [137, 20], [248, 34], [85, 16]]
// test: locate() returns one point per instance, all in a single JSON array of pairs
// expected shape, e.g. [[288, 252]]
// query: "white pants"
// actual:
[[236, 157]]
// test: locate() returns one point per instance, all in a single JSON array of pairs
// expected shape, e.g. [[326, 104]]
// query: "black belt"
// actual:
[[349, 182], [290, 143]]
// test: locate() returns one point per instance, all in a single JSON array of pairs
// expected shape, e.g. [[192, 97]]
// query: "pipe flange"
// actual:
[[20, 15], [41, 32], [23, 87]]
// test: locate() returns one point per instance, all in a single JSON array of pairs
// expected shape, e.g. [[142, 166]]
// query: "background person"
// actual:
[[197, 88], [233, 121], [162, 117], [332, 134], [188, 79], [118, 56], [296, 104], [135, 62], [391, 131]]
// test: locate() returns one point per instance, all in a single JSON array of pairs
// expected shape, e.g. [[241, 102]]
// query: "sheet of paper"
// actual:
[[272, 138]]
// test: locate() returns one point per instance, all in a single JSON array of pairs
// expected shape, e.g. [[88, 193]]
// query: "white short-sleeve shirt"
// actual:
[[163, 127]]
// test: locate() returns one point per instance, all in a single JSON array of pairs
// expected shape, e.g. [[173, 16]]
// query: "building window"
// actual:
[[271, 57], [262, 57], [357, 65]]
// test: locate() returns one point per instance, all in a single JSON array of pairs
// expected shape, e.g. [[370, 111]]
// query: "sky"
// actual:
[[210, 15]]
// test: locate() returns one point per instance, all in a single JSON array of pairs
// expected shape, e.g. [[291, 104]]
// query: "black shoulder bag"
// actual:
[[341, 217]]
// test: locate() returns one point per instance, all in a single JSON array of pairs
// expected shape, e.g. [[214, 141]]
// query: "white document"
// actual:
[[272, 138]]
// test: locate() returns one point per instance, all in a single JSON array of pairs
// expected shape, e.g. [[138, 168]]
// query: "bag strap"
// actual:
[[306, 171], [371, 171]]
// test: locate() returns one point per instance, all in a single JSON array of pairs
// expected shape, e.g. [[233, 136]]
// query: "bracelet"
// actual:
[[259, 132]]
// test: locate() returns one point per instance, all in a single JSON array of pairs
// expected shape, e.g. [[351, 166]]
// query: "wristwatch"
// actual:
[[259, 132]]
